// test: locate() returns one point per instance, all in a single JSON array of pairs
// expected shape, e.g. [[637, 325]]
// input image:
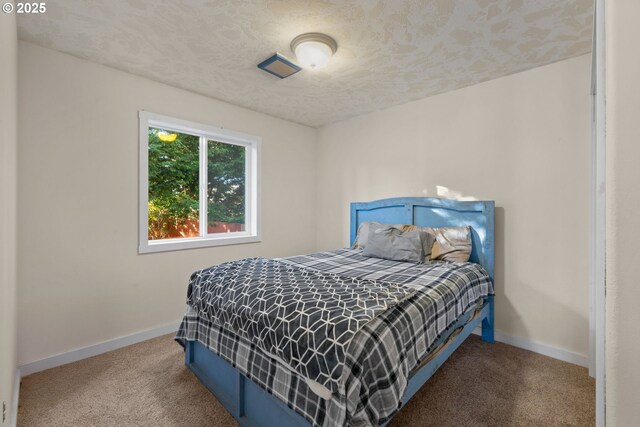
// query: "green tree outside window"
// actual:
[[174, 185]]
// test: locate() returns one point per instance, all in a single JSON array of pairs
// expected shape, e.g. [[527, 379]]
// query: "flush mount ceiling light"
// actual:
[[313, 50]]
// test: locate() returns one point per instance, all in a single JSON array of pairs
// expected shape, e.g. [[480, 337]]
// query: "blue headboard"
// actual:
[[434, 212]]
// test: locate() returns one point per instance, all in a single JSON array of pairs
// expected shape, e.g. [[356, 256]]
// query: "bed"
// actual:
[[408, 335]]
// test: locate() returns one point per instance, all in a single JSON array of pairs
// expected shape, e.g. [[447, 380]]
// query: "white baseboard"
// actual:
[[13, 416], [536, 347], [96, 349], [103, 347]]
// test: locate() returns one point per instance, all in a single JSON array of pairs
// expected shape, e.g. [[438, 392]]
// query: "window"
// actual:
[[198, 185]]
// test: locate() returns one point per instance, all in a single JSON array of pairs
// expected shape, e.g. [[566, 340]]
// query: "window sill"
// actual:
[[196, 242]]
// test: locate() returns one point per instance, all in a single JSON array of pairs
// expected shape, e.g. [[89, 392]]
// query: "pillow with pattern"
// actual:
[[451, 243]]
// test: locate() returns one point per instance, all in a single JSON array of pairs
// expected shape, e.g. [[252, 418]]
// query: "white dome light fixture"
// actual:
[[313, 50]]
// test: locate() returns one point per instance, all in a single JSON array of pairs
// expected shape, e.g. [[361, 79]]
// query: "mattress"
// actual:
[[380, 357]]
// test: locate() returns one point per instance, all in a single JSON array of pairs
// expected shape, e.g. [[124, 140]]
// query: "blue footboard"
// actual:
[[249, 404]]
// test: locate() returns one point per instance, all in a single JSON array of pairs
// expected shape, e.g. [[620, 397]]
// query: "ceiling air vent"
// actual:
[[279, 66]]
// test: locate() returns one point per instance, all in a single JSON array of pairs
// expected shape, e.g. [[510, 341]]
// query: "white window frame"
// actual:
[[205, 133]]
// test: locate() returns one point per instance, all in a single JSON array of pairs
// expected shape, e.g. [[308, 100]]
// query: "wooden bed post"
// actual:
[[487, 323]]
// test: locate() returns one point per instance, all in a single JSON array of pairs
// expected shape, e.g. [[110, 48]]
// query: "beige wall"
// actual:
[[81, 279], [623, 210], [522, 141], [8, 183]]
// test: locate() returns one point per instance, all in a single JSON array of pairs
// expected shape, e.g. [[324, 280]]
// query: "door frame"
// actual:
[[597, 202]]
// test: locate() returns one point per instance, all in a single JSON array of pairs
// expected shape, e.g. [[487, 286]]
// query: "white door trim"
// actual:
[[597, 215]]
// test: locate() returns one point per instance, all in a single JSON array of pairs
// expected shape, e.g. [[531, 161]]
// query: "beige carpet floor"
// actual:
[[147, 384]]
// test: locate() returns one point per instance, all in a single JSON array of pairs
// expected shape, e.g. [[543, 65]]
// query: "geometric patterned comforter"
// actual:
[[379, 356], [305, 317]]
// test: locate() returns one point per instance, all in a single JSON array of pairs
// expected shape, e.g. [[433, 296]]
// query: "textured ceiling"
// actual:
[[389, 52]]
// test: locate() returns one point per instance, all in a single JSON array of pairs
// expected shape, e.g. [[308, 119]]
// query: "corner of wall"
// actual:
[[317, 184], [8, 213]]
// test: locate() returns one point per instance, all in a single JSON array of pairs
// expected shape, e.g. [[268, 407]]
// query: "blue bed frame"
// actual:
[[252, 406]]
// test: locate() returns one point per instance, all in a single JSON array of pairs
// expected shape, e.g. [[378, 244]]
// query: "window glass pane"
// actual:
[[173, 184], [226, 187]]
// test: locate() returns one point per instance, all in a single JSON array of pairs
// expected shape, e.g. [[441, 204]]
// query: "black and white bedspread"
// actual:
[[305, 317], [422, 301]]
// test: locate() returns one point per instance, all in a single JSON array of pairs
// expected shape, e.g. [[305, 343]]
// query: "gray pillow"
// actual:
[[363, 232], [393, 244]]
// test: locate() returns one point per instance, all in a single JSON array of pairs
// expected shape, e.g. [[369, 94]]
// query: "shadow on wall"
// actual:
[[505, 311], [508, 319]]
